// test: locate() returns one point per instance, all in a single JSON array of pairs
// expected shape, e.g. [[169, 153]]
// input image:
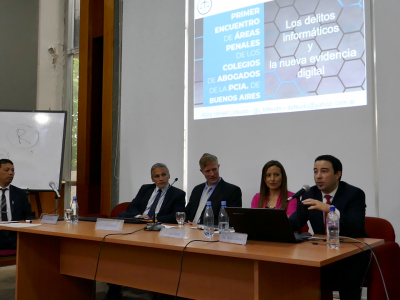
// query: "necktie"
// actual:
[[155, 202], [328, 201], [203, 202], [4, 206]]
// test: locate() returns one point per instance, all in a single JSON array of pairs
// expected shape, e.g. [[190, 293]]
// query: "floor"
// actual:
[[7, 287]]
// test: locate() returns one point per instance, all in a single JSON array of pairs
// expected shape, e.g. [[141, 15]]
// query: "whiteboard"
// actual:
[[34, 142]]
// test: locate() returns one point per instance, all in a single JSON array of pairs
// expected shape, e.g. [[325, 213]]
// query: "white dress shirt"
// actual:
[[152, 198], [332, 194], [7, 193]]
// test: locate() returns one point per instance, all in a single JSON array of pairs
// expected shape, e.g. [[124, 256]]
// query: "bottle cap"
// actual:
[[74, 198], [223, 203], [208, 203], [332, 208]]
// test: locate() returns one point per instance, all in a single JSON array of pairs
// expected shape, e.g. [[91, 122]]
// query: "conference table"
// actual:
[[59, 262]]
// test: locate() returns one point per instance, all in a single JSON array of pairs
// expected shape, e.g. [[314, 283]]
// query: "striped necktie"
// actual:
[[4, 205], [152, 210]]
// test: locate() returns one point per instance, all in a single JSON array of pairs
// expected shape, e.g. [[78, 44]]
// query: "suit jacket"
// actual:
[[20, 210], [349, 200], [20, 206], [174, 201], [223, 192]]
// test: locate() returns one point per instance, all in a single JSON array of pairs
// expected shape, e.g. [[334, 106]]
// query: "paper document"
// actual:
[[19, 225]]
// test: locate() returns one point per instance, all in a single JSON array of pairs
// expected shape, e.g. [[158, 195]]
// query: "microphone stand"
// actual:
[[56, 209], [155, 226]]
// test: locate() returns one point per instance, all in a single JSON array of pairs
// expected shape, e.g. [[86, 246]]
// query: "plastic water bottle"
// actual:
[[208, 219], [332, 229], [223, 219], [75, 211]]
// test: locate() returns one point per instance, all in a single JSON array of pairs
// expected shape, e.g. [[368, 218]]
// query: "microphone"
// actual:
[[53, 187], [304, 189], [155, 226]]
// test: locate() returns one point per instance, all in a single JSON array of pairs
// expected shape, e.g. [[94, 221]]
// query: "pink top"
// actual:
[[291, 207]]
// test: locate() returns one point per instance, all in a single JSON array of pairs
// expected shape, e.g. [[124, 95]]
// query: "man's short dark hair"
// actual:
[[336, 164], [5, 161]]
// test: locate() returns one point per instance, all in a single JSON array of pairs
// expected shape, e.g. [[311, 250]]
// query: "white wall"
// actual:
[[51, 55], [388, 108], [152, 85]]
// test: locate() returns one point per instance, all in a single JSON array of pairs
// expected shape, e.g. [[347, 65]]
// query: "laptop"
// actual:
[[126, 220], [264, 224]]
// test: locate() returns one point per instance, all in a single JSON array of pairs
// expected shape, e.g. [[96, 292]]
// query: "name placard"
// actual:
[[109, 224], [173, 233], [233, 237], [48, 219]]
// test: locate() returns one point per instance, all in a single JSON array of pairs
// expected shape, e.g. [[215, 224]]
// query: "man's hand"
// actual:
[[146, 219], [143, 217], [315, 204]]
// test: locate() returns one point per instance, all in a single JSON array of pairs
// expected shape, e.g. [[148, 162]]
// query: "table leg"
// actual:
[[38, 271]]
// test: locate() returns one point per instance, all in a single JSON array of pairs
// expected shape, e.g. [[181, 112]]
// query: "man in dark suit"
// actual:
[[14, 204], [215, 189], [170, 199], [349, 202]]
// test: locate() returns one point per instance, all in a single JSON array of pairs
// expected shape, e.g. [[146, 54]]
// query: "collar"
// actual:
[[332, 194], [164, 190], [7, 187], [212, 186]]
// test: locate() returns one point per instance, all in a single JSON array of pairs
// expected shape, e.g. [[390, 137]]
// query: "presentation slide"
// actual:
[[259, 57]]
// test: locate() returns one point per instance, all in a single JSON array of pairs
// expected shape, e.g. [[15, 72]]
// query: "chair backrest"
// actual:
[[7, 257], [119, 208], [379, 229]]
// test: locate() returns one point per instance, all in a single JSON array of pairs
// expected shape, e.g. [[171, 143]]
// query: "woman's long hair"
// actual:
[[264, 189]]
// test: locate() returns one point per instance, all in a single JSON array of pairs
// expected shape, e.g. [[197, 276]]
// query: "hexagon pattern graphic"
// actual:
[[340, 54], [323, 55]]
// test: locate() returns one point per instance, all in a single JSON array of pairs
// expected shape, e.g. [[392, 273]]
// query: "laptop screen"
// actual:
[[262, 224]]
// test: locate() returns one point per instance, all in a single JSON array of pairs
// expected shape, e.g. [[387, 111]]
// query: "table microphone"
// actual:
[[304, 189], [156, 226], [53, 187]]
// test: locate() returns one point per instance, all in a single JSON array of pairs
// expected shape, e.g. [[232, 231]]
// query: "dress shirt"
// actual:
[[332, 194], [7, 193], [212, 188], [152, 198], [209, 194]]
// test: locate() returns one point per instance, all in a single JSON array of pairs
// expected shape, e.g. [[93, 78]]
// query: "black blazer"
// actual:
[[223, 192], [20, 210], [20, 206], [174, 201], [349, 200]]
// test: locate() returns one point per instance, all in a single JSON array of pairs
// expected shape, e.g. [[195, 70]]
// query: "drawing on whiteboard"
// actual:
[[3, 154], [23, 136]]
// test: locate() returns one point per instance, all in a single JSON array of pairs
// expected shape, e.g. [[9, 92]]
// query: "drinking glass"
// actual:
[[67, 214], [180, 218]]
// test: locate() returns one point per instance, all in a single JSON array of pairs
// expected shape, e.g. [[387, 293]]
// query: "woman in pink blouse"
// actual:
[[273, 189]]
